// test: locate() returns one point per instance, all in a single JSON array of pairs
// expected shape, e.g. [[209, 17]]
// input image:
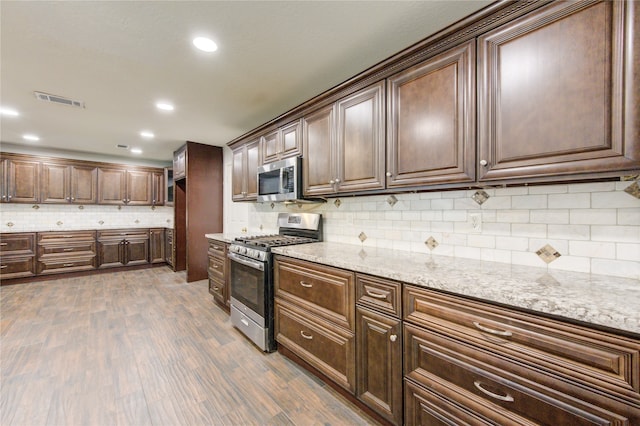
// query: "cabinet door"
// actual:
[[431, 130], [139, 191], [84, 184], [110, 253], [379, 363], [111, 186], [290, 140], [156, 245], [55, 183], [169, 246], [23, 179], [318, 140], [558, 93], [180, 163], [251, 172], [157, 188], [270, 146], [238, 184], [360, 143], [136, 251], [3, 180]]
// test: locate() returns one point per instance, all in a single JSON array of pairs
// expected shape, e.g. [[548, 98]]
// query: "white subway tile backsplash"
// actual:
[[493, 255], [569, 201], [442, 204], [569, 232], [617, 268], [629, 216], [599, 249], [512, 243], [465, 204], [628, 251], [467, 252], [455, 215], [529, 202], [593, 216], [619, 234], [548, 189], [482, 241], [512, 190], [616, 200], [497, 202], [420, 205], [529, 230], [592, 187], [549, 216], [526, 258], [512, 216], [571, 263], [431, 215]]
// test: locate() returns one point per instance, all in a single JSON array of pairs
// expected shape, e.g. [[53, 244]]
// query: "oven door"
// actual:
[[248, 281]]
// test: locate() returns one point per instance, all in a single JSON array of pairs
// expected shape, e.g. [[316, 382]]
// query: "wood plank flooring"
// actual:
[[145, 348]]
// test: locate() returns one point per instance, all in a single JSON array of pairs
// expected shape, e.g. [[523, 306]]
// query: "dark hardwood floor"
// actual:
[[145, 348]]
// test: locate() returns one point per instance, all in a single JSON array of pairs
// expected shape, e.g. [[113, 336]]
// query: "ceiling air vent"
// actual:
[[122, 146], [59, 100]]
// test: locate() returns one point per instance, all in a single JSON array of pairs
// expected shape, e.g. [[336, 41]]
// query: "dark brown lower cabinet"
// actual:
[[123, 247], [379, 363], [218, 271], [66, 251], [156, 245], [168, 246], [17, 255]]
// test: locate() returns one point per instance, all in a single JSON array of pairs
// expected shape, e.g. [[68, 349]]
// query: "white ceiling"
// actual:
[[120, 57]]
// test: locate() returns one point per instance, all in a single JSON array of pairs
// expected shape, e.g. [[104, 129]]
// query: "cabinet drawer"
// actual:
[[591, 357], [17, 267], [425, 406], [490, 380], [62, 237], [217, 249], [18, 244], [379, 294], [216, 268], [124, 233], [326, 347], [329, 292], [57, 265], [217, 288], [72, 247]]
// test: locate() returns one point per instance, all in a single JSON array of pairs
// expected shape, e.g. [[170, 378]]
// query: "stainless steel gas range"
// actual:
[[251, 271]]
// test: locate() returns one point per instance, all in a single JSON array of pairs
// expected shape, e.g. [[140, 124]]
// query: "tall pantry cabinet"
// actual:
[[198, 173]]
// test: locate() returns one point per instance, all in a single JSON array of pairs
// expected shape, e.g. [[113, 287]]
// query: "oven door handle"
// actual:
[[247, 262]]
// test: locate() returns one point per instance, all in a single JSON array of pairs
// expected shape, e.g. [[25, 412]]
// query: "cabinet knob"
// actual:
[[332, 181], [337, 180], [393, 337], [9, 197], [483, 163], [73, 199], [389, 174]]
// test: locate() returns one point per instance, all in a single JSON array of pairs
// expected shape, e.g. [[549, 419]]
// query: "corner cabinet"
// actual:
[[246, 160], [19, 180], [431, 122], [558, 93], [344, 144]]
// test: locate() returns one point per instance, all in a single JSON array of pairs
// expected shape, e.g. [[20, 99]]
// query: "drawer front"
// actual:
[[607, 361], [379, 294], [62, 237], [216, 268], [72, 247], [328, 292], [433, 358], [427, 406], [17, 267], [326, 347], [18, 244], [217, 249], [59, 265], [124, 233], [217, 288]]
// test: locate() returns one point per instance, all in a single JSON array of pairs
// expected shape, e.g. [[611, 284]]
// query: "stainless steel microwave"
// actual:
[[280, 180]]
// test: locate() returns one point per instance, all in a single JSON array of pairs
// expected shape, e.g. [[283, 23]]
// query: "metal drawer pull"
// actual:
[[215, 266], [376, 295], [503, 333], [303, 284], [4, 266], [306, 336], [3, 244], [67, 249], [505, 398], [216, 247], [66, 265], [393, 337], [216, 288], [245, 322]]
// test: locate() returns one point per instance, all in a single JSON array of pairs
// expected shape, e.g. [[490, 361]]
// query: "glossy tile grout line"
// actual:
[[145, 348]]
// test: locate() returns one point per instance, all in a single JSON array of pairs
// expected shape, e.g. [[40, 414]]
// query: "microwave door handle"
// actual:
[[283, 179]]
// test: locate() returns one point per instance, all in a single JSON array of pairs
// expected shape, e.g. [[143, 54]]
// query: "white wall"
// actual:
[[595, 227]]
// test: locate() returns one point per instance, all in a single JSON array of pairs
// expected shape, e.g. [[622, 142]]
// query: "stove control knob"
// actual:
[[242, 250], [251, 253]]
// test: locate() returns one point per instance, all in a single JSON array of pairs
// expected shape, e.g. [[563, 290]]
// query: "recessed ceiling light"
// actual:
[[205, 44], [9, 111], [136, 151], [147, 134], [164, 106], [30, 137]]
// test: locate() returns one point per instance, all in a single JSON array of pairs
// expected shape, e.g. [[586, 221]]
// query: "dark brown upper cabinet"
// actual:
[[158, 188], [19, 180], [558, 93], [122, 186], [180, 163], [244, 186], [344, 144], [64, 183], [282, 143], [431, 121]]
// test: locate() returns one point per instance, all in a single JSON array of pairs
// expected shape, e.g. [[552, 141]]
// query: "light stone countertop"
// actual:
[[224, 238], [595, 299]]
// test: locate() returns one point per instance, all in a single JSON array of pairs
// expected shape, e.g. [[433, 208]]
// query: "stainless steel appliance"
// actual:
[[251, 271], [280, 180]]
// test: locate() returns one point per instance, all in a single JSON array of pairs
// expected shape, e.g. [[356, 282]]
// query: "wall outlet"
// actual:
[[475, 220]]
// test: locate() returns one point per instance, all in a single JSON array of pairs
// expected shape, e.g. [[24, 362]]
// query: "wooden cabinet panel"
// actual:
[[84, 184], [379, 363], [112, 184], [245, 163], [218, 271], [56, 183], [553, 92], [318, 140], [120, 247], [21, 182], [66, 251], [17, 244], [434, 358], [17, 255], [380, 294], [158, 188], [65, 183], [17, 267], [328, 348], [329, 292], [110, 253], [431, 129], [139, 188], [136, 251], [281, 143], [169, 249], [596, 359], [157, 245], [180, 163]]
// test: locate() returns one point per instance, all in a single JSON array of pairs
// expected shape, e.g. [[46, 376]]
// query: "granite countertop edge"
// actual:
[[600, 300]]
